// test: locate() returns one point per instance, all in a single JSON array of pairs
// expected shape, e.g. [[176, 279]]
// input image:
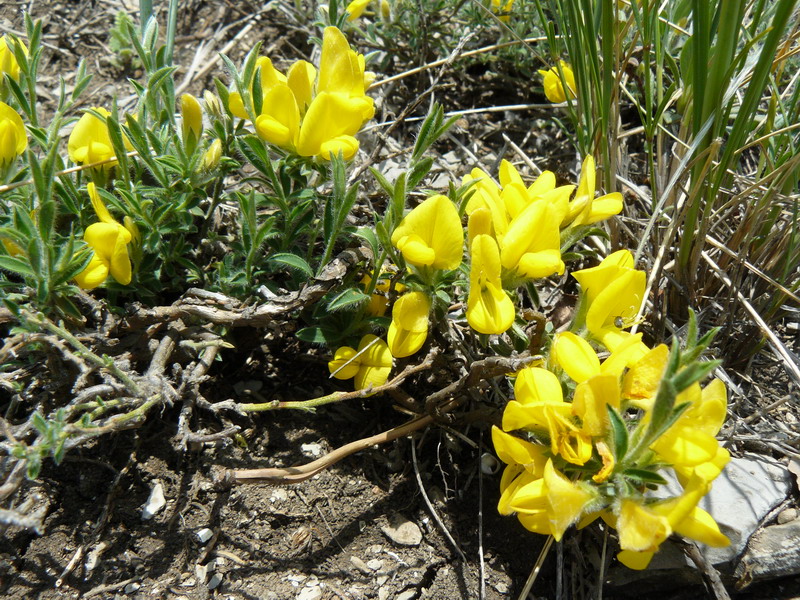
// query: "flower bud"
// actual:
[[212, 155], [192, 125]]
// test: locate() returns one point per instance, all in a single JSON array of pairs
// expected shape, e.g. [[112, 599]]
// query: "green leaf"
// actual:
[[292, 261], [312, 335], [349, 298], [382, 181], [16, 265], [619, 433], [644, 476], [418, 172]]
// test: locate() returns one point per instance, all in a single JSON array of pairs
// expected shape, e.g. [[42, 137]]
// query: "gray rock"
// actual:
[[402, 531], [771, 553], [154, 503]]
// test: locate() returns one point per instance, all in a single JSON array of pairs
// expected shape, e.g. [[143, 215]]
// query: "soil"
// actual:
[[322, 539]]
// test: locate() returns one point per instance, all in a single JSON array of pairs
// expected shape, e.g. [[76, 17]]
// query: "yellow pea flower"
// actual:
[[109, 240], [191, 121], [540, 407], [489, 309], [641, 382], [578, 359], [89, 141], [279, 121], [300, 78], [531, 246], [370, 364], [642, 528], [269, 78], [356, 8], [501, 8], [409, 327], [13, 137], [691, 441], [614, 291], [212, 155], [8, 61], [431, 235], [554, 87], [379, 302], [585, 209]]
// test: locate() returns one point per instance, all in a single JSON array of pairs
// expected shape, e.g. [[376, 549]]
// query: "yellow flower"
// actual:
[[192, 121], [89, 141], [552, 502], [489, 309], [531, 246], [212, 155], [370, 364], [379, 302], [356, 8], [313, 121], [109, 241], [614, 291], [691, 440], [585, 209], [8, 61], [501, 8], [540, 407], [642, 528], [13, 138], [409, 326], [431, 235], [553, 86]]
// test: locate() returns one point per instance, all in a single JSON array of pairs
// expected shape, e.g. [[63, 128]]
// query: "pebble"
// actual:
[[204, 535], [787, 515], [278, 495], [313, 450], [407, 595], [375, 564], [402, 531], [215, 580], [360, 565], [154, 503], [132, 588], [310, 593]]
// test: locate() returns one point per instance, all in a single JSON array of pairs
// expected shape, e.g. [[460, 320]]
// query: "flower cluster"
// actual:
[[312, 113], [513, 235], [599, 453]]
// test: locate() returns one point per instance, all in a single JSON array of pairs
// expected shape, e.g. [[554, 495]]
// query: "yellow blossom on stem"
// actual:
[[212, 155], [13, 137], [356, 8], [531, 247], [489, 309], [431, 235], [554, 87], [8, 60], [614, 291], [109, 240], [191, 121], [370, 364], [585, 209], [409, 326], [502, 8], [89, 141]]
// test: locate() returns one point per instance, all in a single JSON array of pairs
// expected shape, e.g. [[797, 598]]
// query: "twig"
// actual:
[[432, 510], [289, 475], [314, 403], [710, 574], [536, 568]]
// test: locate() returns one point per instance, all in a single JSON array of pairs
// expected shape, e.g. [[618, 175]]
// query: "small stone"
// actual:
[[132, 588], [383, 594], [313, 450], [215, 580], [381, 579], [310, 593], [154, 503], [787, 515], [204, 535], [375, 564], [489, 464], [278, 495], [360, 565], [402, 531], [201, 572], [407, 595]]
